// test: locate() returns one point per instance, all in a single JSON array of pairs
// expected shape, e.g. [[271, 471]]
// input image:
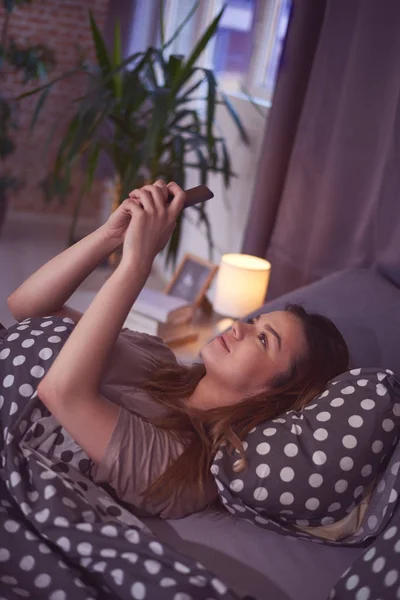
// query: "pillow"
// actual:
[[311, 467]]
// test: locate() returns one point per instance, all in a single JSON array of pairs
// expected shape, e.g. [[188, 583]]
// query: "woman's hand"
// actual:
[[117, 224], [152, 221]]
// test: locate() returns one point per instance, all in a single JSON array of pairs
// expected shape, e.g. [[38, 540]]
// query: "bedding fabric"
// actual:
[[61, 536], [310, 470]]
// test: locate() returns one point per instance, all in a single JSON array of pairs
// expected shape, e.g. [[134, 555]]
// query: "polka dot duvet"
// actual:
[[61, 536]]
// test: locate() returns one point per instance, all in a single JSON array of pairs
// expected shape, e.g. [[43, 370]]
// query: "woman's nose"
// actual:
[[237, 328]]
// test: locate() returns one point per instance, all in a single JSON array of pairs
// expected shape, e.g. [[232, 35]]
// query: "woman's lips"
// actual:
[[221, 339]]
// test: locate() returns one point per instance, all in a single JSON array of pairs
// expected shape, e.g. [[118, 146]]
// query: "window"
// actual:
[[246, 50]]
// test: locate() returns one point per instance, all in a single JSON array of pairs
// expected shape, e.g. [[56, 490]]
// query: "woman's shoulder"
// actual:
[[152, 345]]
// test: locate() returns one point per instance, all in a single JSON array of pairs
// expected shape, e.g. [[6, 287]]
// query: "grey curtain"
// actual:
[[337, 205]]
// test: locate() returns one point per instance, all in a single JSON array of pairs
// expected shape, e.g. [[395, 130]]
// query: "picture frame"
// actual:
[[192, 279]]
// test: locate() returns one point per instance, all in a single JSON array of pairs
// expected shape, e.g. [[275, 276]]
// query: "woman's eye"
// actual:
[[263, 339]]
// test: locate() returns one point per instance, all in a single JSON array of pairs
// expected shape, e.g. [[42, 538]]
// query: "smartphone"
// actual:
[[195, 195]]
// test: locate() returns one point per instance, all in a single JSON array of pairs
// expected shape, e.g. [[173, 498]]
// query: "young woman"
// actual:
[[148, 426]]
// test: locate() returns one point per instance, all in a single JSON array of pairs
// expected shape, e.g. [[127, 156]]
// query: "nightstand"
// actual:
[[203, 325]]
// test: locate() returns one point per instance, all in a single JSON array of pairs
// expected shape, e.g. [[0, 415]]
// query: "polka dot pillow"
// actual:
[[310, 467]]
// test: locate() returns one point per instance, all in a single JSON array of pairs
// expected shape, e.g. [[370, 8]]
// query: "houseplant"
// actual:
[[141, 113], [32, 62]]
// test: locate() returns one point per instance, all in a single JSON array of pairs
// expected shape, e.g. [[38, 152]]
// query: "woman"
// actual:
[[148, 425]]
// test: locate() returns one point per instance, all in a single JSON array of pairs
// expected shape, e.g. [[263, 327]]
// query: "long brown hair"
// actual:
[[202, 432]]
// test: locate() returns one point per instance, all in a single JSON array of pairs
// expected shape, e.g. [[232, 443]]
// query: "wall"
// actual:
[[63, 26], [229, 208]]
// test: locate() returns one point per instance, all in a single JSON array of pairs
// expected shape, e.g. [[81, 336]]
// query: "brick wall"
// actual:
[[61, 25]]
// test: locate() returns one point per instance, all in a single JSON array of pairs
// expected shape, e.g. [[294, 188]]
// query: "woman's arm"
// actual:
[[46, 291], [70, 389]]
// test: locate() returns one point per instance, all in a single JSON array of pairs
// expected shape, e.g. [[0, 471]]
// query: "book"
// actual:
[[162, 307], [169, 332]]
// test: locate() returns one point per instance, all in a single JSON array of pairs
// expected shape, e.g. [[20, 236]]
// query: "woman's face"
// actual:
[[254, 352]]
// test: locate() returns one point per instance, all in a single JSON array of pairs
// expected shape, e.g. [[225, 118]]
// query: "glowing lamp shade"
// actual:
[[242, 282]]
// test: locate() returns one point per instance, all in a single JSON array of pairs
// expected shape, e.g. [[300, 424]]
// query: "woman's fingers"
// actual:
[[155, 197], [179, 199]]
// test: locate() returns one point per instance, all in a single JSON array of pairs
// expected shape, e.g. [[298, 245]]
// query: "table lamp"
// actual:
[[241, 285]]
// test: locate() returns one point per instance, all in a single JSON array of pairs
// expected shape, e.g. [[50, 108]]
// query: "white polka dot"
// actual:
[[28, 343], [43, 580], [46, 323], [367, 404], [352, 582], [377, 447], [167, 582], [348, 390], [27, 563], [130, 556], [320, 434], [372, 521], [181, 568], [13, 408], [36, 332], [11, 526], [395, 468], [157, 548], [12, 337], [291, 450], [236, 485], [334, 507], [355, 371], [58, 329], [19, 360], [58, 595], [396, 409], [311, 407], [397, 546], [4, 554], [346, 463], [286, 499], [110, 531], [358, 491], [15, 478], [366, 470], [296, 429], [152, 566], [54, 339], [312, 503], [42, 515], [349, 441], [393, 496], [4, 353], [138, 591], [369, 554], [26, 390], [391, 577], [323, 416], [269, 431], [263, 471], [8, 381], [8, 579], [315, 480], [341, 486], [68, 320], [391, 532], [85, 549], [362, 382], [319, 458], [388, 425], [263, 448], [327, 520], [132, 536], [381, 390], [378, 564], [355, 421], [214, 469], [45, 353], [287, 474], [1, 401], [108, 552], [217, 585], [37, 371]]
